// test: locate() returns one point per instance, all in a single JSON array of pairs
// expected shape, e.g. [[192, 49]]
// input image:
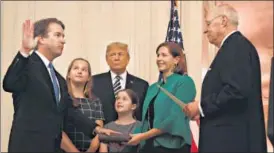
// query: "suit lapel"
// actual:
[[44, 75], [62, 90], [129, 81], [151, 93], [109, 85]]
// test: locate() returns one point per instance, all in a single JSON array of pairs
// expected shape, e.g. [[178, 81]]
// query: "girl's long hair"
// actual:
[[88, 85]]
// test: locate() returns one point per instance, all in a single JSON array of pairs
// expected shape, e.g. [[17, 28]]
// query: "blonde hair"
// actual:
[[88, 86], [117, 45]]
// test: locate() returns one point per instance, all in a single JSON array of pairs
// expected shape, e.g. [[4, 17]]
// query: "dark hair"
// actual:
[[133, 97], [175, 50], [41, 26]]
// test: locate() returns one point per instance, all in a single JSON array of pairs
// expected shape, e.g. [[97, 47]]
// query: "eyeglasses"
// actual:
[[208, 23]]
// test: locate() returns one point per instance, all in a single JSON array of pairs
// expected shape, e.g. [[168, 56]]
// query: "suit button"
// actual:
[[57, 136]]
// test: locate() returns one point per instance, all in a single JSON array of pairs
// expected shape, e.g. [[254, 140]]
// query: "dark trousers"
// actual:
[[35, 142]]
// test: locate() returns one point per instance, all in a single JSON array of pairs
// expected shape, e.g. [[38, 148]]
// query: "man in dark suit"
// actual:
[[109, 83], [40, 96], [231, 108]]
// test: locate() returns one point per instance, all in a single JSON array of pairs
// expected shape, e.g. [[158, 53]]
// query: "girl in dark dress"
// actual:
[[79, 87]]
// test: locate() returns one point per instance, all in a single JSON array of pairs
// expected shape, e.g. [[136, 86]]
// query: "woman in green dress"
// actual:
[[165, 128]]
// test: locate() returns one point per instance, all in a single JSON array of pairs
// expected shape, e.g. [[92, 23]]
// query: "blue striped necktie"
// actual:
[[117, 84], [54, 82]]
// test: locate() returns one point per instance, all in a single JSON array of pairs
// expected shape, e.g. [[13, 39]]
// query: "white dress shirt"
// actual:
[[123, 79], [46, 62]]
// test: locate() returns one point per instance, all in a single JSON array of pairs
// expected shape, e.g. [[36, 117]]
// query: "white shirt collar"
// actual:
[[227, 37], [43, 58], [46, 62], [123, 76]]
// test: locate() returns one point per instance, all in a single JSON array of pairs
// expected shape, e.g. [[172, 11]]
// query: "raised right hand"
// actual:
[[28, 42]]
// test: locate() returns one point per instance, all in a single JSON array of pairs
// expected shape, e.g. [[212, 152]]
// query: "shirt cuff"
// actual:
[[201, 110], [24, 54]]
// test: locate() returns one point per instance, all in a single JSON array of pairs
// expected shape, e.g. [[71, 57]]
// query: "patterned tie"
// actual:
[[54, 83], [117, 84]]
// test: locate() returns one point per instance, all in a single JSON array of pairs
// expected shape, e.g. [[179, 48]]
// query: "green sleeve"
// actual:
[[176, 121], [186, 91]]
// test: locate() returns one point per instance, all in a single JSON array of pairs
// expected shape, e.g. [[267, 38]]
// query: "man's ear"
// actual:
[[224, 21], [40, 40], [128, 55], [128, 58]]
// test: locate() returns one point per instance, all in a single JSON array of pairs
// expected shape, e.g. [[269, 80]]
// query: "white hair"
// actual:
[[229, 12]]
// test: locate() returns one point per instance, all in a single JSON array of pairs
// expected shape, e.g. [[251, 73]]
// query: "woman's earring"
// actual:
[[174, 67]]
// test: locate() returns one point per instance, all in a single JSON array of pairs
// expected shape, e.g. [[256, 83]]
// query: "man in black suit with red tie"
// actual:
[[231, 108], [106, 85], [40, 95]]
